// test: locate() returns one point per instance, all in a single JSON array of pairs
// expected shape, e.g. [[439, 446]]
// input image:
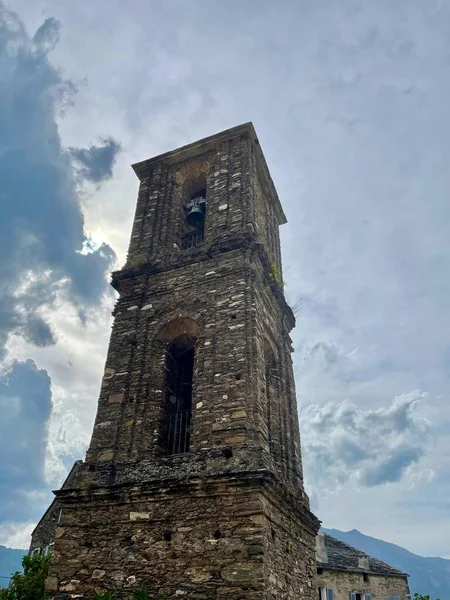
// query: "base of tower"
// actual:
[[223, 538]]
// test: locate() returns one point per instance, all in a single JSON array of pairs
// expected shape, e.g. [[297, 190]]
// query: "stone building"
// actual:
[[192, 484], [345, 573]]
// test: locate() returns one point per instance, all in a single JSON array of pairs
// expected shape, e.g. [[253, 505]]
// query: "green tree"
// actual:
[[28, 585], [421, 597]]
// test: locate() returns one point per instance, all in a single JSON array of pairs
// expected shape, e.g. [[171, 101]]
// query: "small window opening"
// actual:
[[234, 316], [195, 210], [366, 577], [167, 536], [238, 377], [217, 535], [319, 571], [273, 534], [178, 396], [227, 452]]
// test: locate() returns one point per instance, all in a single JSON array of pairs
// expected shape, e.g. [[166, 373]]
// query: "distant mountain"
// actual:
[[427, 575], [10, 562]]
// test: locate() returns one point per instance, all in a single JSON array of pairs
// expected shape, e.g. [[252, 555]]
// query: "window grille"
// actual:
[[178, 432], [175, 431], [192, 239]]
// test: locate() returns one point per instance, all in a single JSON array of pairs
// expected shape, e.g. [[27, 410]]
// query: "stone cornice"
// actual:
[[238, 242], [260, 479]]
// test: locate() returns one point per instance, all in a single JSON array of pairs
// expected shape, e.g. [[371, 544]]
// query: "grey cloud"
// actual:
[[96, 162], [44, 249], [394, 467], [47, 36], [38, 332], [345, 443], [25, 407]]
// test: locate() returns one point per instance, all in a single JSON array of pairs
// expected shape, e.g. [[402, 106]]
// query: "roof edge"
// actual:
[[327, 567], [393, 571]]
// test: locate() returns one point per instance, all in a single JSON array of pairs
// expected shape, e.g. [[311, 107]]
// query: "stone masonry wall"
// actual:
[[290, 561], [379, 586], [236, 205], [230, 317], [205, 540], [44, 534]]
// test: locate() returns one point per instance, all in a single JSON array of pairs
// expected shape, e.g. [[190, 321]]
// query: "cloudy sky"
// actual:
[[349, 100]]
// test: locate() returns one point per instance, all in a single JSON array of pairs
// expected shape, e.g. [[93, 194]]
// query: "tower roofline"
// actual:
[[199, 147]]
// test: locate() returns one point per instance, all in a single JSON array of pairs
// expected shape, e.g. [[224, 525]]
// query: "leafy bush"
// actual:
[[28, 585]]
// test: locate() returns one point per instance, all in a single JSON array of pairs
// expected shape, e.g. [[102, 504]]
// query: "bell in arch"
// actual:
[[196, 216]]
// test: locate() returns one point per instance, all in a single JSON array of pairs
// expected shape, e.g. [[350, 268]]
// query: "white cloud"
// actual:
[[344, 444], [16, 535]]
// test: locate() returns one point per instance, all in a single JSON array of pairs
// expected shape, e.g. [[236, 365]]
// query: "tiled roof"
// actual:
[[343, 557]]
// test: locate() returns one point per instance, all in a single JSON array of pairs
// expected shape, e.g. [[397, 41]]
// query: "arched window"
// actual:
[[179, 366], [194, 212]]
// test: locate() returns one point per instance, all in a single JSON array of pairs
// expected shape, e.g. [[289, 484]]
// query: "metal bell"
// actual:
[[196, 216]]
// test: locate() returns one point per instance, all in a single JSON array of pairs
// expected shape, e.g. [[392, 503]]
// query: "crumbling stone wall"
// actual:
[[380, 587], [242, 476]]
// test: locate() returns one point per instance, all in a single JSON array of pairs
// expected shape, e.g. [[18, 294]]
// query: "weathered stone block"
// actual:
[[139, 516], [98, 574], [115, 398], [105, 456], [241, 572], [51, 584]]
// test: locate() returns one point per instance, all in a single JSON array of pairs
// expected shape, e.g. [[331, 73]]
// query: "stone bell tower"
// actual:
[[192, 484]]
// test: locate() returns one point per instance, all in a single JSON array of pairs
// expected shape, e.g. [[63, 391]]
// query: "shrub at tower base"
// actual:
[[28, 585]]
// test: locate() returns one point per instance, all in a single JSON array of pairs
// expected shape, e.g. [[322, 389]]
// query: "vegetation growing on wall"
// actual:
[[275, 275]]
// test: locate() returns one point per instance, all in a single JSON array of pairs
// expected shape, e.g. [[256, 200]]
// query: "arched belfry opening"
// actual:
[[180, 337], [179, 367], [194, 212]]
